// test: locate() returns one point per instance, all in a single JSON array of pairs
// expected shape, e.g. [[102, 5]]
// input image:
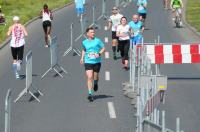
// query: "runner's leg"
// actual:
[[97, 68]]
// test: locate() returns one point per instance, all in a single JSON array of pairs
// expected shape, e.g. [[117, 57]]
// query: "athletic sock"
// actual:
[[90, 92], [114, 49], [95, 82], [14, 66]]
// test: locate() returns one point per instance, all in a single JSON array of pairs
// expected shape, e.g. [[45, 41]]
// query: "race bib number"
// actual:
[[136, 32], [93, 55], [141, 8]]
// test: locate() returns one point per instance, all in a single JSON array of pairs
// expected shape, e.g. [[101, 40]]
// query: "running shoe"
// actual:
[[17, 76], [90, 98], [95, 87], [114, 57]]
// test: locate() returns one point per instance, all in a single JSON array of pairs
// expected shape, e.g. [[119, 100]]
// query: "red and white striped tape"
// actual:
[[176, 53]]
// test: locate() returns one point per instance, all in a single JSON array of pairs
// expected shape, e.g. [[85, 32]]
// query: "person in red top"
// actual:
[[47, 17]]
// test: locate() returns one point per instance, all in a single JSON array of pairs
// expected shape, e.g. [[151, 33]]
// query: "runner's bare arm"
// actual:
[[24, 30], [82, 56], [109, 25], [40, 14], [102, 50]]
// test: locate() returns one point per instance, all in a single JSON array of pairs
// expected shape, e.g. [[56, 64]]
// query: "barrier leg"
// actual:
[[46, 72], [33, 95], [103, 14]]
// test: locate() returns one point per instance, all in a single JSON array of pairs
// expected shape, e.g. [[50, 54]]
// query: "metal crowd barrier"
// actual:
[[7, 111], [71, 48], [146, 91], [54, 59], [83, 27], [28, 79], [103, 12]]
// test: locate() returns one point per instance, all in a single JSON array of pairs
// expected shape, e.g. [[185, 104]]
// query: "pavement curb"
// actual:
[[32, 20], [194, 30]]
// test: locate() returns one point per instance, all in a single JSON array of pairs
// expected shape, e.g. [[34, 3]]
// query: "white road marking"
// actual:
[[111, 110], [105, 28], [107, 55], [106, 39], [107, 76]]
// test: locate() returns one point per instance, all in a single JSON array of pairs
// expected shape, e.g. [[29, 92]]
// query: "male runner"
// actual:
[[137, 29], [142, 10], [114, 21], [93, 48]]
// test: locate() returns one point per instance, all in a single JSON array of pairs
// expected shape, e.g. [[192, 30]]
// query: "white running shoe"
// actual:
[[181, 23]]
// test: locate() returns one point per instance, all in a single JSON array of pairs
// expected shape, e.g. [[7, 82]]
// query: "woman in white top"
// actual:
[[46, 16], [18, 33], [123, 31]]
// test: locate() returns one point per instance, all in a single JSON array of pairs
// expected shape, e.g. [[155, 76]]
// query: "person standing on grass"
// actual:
[[93, 48], [17, 32]]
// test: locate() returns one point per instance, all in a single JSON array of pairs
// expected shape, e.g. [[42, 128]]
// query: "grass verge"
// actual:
[[26, 9], [193, 13]]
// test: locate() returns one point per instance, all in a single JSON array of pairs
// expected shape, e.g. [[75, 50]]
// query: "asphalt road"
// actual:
[[64, 106]]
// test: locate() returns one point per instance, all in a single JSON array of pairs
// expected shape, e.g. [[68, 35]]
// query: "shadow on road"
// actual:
[[37, 94], [102, 96]]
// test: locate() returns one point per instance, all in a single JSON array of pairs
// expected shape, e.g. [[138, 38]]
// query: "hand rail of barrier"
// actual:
[[7, 111], [103, 12]]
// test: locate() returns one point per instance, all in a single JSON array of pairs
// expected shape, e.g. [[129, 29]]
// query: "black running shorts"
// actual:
[[114, 36], [17, 52], [144, 15], [46, 24], [95, 67]]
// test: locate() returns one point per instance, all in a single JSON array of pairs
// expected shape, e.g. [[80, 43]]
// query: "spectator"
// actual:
[[2, 18]]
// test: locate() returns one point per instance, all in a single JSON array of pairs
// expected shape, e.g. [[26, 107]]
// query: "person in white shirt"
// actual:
[[47, 17], [17, 32], [114, 21], [123, 32]]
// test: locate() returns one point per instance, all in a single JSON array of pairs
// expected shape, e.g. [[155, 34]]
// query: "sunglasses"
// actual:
[[114, 9]]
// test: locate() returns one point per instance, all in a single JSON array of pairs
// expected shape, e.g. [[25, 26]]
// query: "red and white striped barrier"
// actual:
[[175, 54]]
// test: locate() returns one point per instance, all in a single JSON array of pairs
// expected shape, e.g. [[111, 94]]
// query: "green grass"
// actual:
[[193, 13], [26, 9]]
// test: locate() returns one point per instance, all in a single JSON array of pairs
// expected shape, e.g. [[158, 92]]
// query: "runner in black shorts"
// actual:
[[18, 33], [46, 16], [123, 32], [91, 57], [114, 21]]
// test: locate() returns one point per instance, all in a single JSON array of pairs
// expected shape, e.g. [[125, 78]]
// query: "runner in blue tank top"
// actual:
[[137, 29], [142, 9]]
